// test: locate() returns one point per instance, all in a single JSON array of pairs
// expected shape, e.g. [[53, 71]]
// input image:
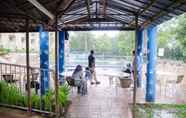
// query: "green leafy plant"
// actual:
[[11, 94], [35, 100], [4, 51], [64, 92], [48, 99]]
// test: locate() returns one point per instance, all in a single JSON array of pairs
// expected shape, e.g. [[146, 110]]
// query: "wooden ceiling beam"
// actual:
[[154, 17], [67, 4], [143, 11], [87, 2], [104, 2], [42, 8], [79, 20]]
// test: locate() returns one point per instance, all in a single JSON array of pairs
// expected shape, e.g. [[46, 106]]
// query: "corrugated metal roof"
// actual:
[[88, 14]]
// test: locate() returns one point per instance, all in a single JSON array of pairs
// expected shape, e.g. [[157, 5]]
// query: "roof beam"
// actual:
[[87, 2], [97, 28], [41, 8], [76, 21], [104, 7], [67, 5], [143, 11], [154, 17], [116, 6]]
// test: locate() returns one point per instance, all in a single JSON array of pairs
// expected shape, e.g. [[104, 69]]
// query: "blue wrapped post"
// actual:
[[151, 63], [140, 37], [44, 60], [61, 56]]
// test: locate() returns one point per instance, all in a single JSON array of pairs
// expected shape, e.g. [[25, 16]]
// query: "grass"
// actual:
[[154, 110], [4, 51], [11, 94]]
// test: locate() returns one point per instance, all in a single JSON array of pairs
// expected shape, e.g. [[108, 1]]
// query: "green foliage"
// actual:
[[82, 41], [64, 92], [48, 99], [125, 43], [151, 110], [4, 51], [10, 94], [172, 37], [181, 33], [35, 101], [121, 44]]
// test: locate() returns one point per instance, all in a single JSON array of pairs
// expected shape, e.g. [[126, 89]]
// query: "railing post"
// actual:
[[134, 63], [57, 110], [28, 66]]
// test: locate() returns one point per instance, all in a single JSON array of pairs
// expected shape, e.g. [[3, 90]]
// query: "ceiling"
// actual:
[[86, 14]]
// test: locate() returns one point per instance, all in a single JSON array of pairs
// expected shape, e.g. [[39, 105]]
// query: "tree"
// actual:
[[125, 43], [181, 33], [103, 43], [81, 41]]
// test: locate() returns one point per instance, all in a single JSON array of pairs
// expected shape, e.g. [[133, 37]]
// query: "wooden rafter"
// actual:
[[87, 2], [42, 8], [67, 4], [104, 2], [76, 21], [154, 17], [143, 11]]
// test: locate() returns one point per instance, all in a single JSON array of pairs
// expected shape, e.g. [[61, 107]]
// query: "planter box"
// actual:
[[125, 82]]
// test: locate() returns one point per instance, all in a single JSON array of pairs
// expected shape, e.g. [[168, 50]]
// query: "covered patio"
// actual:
[[61, 16]]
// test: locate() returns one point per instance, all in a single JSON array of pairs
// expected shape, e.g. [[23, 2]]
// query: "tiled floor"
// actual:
[[103, 101]]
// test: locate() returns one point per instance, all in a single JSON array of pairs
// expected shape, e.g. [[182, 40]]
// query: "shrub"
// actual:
[[11, 94], [64, 92]]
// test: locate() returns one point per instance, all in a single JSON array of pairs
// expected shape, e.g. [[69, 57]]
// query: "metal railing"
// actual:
[[14, 86]]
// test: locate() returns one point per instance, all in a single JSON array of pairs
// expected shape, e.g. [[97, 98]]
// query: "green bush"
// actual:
[[64, 92], [4, 51], [48, 100], [11, 94]]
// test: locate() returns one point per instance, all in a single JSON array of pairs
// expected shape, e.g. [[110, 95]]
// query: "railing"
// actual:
[[14, 87], [170, 83]]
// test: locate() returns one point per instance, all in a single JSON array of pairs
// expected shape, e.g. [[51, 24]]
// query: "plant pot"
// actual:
[[125, 82]]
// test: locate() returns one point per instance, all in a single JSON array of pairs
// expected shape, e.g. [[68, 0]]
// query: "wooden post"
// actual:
[[28, 66], [134, 64], [57, 110]]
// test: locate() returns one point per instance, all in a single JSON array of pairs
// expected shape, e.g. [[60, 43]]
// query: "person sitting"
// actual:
[[78, 79]]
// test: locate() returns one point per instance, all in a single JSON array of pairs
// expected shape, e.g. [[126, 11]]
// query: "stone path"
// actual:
[[103, 101]]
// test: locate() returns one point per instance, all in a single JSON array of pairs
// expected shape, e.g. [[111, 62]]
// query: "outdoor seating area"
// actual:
[[55, 61]]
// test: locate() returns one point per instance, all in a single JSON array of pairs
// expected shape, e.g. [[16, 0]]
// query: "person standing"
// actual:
[[91, 65]]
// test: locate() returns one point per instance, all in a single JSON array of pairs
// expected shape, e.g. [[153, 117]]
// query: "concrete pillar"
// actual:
[[44, 60], [61, 55], [140, 38], [151, 63]]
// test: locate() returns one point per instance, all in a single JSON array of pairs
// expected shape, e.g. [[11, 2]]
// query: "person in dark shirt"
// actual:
[[91, 65]]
